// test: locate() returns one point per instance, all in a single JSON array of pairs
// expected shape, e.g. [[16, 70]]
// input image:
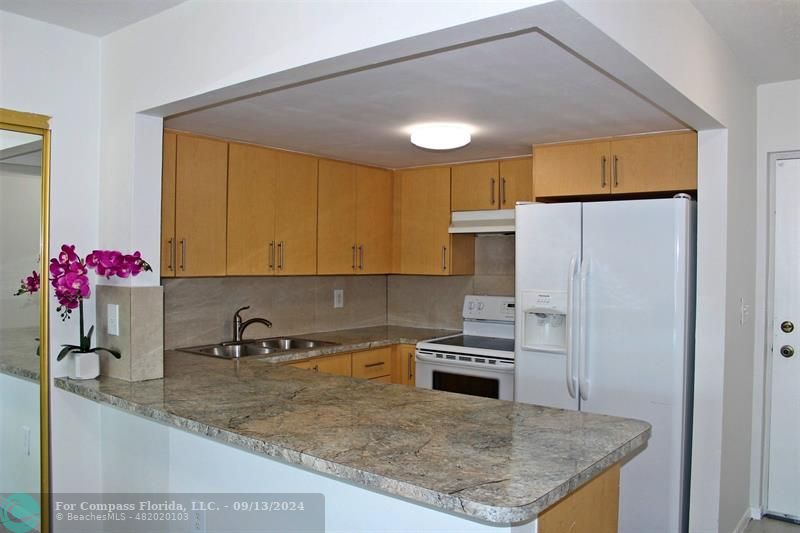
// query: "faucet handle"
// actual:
[[240, 310]]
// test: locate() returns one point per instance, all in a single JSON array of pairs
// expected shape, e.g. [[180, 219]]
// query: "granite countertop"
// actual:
[[493, 460], [18, 352]]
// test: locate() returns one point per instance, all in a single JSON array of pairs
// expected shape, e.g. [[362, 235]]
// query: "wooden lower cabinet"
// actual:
[[403, 364], [371, 364], [339, 364], [593, 508]]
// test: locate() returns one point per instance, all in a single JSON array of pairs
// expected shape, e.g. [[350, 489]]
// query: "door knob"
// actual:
[[787, 351], [787, 326]]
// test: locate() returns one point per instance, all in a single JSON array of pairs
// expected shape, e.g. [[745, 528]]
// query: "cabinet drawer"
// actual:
[[331, 364], [372, 363]]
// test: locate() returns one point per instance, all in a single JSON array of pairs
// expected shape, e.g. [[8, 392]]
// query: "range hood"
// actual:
[[490, 221]]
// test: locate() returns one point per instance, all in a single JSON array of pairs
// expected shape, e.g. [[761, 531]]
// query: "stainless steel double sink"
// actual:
[[246, 348]]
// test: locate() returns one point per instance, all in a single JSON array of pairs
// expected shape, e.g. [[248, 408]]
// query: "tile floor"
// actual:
[[771, 526]]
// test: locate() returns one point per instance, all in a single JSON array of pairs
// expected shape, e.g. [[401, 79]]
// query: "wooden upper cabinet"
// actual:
[[424, 216], [573, 169], [336, 239], [475, 186], [516, 181], [252, 177], [373, 220], [296, 214], [201, 180], [168, 243], [649, 163]]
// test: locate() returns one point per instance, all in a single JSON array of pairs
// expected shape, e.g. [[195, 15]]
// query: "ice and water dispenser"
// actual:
[[544, 321]]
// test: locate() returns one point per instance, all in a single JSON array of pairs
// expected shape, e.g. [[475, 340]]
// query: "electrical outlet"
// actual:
[[338, 298], [26, 441], [112, 324]]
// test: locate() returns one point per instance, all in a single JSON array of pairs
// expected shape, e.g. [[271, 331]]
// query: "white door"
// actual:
[[783, 490], [636, 300], [548, 244]]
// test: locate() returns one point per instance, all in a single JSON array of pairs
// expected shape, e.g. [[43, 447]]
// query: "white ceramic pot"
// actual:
[[84, 365]]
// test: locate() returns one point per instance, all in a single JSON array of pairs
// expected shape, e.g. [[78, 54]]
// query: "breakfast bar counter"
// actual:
[[493, 461]]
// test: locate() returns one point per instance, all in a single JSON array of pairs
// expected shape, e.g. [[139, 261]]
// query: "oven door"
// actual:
[[464, 378]]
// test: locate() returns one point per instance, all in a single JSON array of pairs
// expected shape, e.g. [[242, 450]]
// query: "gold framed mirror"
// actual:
[[24, 326]]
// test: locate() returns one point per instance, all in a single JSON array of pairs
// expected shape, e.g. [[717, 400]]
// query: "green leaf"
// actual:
[[115, 353], [86, 342], [67, 348]]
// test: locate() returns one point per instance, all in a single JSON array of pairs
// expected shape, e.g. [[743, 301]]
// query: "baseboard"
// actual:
[[756, 513], [743, 521]]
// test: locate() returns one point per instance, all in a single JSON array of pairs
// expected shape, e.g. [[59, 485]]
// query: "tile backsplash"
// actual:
[[200, 310]]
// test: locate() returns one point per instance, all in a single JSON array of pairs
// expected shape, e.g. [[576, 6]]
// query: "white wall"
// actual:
[[778, 131], [20, 197], [53, 71]]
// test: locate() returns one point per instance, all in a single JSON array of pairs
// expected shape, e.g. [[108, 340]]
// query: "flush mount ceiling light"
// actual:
[[440, 136]]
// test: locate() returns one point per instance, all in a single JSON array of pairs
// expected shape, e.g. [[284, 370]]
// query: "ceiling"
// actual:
[[95, 17], [763, 34], [515, 92]]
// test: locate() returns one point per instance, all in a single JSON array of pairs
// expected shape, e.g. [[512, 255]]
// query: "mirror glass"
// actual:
[[20, 220]]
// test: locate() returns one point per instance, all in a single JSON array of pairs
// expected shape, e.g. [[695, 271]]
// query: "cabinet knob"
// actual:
[[787, 351], [787, 326]]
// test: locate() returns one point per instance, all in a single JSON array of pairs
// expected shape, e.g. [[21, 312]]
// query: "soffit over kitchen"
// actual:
[[515, 91]]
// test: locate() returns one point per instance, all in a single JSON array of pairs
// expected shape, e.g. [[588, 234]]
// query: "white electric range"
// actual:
[[479, 361]]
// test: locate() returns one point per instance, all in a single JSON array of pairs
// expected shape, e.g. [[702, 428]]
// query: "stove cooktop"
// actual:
[[477, 342]]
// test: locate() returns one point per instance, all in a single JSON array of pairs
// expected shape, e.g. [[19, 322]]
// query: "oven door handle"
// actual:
[[572, 378]]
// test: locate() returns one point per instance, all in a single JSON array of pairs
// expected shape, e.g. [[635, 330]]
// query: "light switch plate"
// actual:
[[112, 324], [338, 298]]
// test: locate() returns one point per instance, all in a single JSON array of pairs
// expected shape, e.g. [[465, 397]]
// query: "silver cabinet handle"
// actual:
[[361, 257], [171, 264], [503, 197], [616, 171], [183, 254], [444, 258], [354, 256], [491, 188], [271, 254], [281, 252], [603, 172]]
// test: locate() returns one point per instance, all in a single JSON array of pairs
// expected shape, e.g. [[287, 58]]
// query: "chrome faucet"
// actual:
[[239, 326]]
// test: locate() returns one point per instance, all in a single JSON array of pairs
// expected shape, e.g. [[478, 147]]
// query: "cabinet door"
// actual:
[[168, 244], [652, 163], [424, 217], [201, 180], [476, 186], [374, 220], [516, 181], [336, 241], [296, 214], [252, 173], [372, 363], [403, 365], [572, 169]]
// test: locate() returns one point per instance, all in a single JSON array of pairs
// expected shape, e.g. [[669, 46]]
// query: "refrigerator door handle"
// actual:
[[572, 380], [583, 363]]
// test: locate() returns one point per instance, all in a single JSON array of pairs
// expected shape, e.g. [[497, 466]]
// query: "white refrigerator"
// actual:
[[605, 324]]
